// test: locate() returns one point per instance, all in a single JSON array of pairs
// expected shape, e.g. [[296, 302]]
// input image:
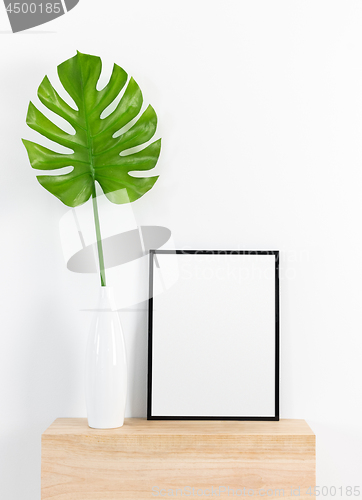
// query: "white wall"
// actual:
[[260, 111]]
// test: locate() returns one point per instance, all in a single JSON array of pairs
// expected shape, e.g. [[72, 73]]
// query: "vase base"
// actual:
[[105, 426]]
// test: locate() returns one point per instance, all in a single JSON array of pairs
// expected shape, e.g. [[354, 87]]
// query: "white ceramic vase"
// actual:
[[106, 367]]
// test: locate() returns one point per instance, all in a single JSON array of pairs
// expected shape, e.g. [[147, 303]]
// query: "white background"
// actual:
[[260, 111], [213, 336]]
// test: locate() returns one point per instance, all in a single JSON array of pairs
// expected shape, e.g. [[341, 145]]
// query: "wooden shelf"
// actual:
[[144, 457]]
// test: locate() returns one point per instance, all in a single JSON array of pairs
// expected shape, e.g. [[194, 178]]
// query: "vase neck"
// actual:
[[106, 298]]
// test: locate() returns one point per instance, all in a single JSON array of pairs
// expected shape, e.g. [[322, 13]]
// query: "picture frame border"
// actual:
[[152, 254]]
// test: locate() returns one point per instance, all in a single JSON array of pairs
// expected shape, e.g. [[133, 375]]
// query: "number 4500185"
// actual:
[[331, 491], [33, 8]]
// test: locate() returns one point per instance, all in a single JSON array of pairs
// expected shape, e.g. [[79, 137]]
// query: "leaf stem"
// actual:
[[99, 238]]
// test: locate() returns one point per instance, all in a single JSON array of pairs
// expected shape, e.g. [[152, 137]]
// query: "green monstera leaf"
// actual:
[[100, 146], [99, 153]]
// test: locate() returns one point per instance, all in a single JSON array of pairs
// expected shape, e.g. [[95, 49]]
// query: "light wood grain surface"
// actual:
[[79, 463], [183, 427]]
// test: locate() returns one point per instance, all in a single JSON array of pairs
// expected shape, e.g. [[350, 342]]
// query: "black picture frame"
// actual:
[[152, 255]]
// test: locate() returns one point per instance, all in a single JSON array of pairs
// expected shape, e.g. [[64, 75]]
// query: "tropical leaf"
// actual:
[[98, 156]]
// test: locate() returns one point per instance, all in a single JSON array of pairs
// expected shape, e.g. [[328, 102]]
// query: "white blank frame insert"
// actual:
[[213, 337]]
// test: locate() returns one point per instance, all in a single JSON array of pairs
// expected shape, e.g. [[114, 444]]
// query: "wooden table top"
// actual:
[[143, 427]]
